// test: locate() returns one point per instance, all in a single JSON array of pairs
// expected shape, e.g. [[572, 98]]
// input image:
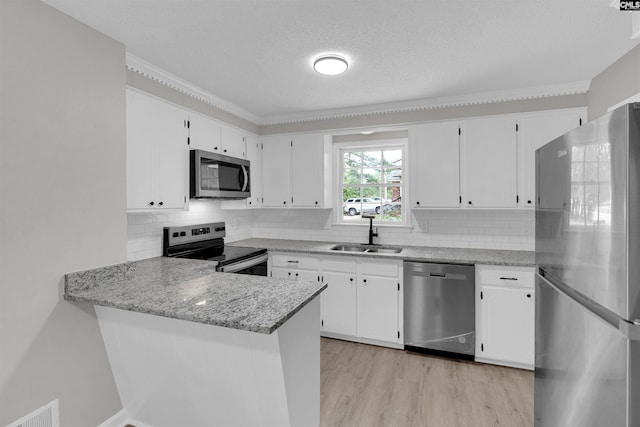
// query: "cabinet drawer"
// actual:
[[294, 261], [380, 268], [339, 264], [505, 276]]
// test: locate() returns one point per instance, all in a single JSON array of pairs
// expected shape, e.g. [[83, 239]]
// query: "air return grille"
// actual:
[[47, 416]]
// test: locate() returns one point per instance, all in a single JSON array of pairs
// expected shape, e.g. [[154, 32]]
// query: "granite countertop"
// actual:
[[409, 253], [192, 290]]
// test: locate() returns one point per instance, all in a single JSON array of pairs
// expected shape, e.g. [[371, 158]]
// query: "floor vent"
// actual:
[[47, 416]]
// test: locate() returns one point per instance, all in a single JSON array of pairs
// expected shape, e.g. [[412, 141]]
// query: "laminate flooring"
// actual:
[[370, 386]]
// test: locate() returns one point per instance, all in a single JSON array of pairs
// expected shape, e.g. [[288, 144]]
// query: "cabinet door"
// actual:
[[233, 142], [488, 163], [157, 154], [507, 330], [339, 303], [204, 133], [533, 133], [280, 273], [377, 308], [254, 155], [140, 124], [435, 164], [307, 164], [275, 172], [172, 159]]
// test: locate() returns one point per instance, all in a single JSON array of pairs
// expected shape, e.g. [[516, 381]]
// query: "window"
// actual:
[[371, 182]]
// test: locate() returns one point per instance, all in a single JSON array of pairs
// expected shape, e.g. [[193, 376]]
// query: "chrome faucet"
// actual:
[[371, 233]]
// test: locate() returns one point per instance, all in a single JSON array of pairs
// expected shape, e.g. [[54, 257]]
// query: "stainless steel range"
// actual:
[[206, 241]]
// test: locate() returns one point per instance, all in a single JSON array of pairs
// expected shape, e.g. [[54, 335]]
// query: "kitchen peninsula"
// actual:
[[190, 346]]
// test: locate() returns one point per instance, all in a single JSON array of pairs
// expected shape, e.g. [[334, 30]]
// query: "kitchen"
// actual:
[[71, 214]]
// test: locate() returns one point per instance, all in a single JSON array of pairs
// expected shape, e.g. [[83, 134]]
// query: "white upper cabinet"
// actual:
[[434, 152], [204, 133], [233, 142], [293, 171], [534, 131], [157, 154], [488, 163], [254, 155], [276, 173], [209, 135], [307, 167]]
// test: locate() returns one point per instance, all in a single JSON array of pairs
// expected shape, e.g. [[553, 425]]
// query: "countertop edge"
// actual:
[[85, 283], [500, 257]]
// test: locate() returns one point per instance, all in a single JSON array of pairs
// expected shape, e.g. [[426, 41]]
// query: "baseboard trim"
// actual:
[[362, 340], [121, 419]]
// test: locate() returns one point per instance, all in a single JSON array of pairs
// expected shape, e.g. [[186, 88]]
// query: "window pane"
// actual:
[[350, 193], [352, 159], [372, 176], [372, 159], [392, 209], [393, 175], [352, 176], [393, 157]]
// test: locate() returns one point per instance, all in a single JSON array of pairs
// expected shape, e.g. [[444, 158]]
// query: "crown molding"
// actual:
[[152, 72], [433, 103], [161, 76]]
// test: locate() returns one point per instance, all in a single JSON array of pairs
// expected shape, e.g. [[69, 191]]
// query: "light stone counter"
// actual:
[[183, 348], [192, 290], [409, 253]]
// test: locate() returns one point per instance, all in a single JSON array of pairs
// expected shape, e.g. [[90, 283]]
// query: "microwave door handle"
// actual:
[[246, 178]]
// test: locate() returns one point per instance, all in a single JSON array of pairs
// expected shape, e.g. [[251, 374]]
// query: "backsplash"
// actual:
[[512, 230], [144, 230]]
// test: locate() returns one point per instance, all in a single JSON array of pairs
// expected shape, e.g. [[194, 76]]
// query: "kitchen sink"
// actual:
[[349, 248], [384, 250], [367, 249]]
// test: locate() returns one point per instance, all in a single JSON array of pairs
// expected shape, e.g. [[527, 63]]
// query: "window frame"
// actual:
[[401, 144]]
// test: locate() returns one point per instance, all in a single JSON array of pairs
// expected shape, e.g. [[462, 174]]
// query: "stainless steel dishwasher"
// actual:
[[439, 309]]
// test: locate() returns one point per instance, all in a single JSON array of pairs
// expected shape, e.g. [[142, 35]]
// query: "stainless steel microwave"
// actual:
[[217, 176]]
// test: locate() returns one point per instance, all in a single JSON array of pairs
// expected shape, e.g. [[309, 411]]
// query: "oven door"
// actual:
[[216, 176], [256, 266]]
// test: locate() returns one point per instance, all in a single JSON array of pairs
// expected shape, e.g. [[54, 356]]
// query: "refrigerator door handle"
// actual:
[[629, 330]]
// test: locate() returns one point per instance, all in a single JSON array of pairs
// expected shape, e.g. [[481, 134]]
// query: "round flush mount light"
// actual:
[[330, 65]]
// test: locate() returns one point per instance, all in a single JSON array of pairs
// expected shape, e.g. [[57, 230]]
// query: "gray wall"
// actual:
[[63, 196], [616, 83]]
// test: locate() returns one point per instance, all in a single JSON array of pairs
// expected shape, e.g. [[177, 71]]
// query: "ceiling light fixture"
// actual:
[[330, 65]]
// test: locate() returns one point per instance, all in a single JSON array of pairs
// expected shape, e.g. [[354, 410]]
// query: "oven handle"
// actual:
[[232, 268]]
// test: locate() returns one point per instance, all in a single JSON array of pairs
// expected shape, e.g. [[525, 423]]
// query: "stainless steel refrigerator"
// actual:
[[587, 368]]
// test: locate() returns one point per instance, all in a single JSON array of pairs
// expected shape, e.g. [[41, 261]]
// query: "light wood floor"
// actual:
[[369, 386]]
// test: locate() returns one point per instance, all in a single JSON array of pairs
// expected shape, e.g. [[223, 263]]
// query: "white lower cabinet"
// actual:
[[378, 298], [505, 316], [363, 299], [338, 301], [295, 266]]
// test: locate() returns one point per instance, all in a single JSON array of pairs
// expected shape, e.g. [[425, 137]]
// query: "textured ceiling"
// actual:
[[257, 54]]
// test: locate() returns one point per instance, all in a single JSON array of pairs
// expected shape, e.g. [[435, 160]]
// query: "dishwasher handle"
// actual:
[[448, 276]]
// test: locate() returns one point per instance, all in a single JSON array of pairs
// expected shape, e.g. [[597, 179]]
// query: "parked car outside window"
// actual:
[[355, 206]]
